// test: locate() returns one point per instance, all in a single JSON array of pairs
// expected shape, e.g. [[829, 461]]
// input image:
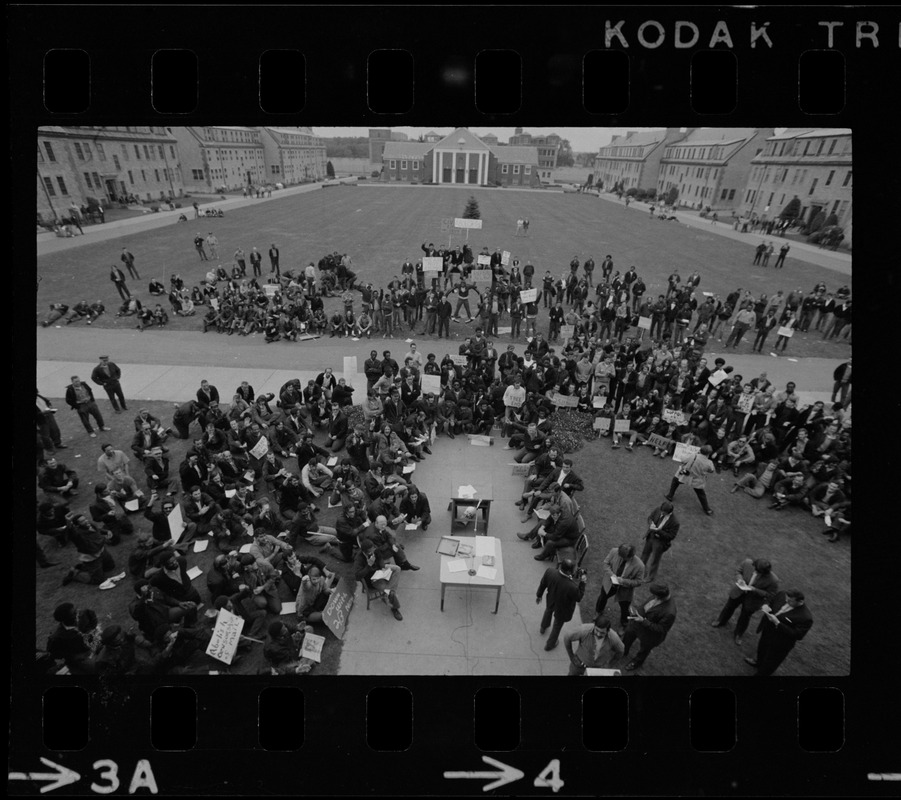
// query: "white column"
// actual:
[[454, 167], [434, 166], [440, 166], [466, 170], [487, 157]]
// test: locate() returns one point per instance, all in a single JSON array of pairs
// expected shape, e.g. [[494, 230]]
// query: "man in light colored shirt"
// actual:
[[514, 397], [594, 645], [111, 460]]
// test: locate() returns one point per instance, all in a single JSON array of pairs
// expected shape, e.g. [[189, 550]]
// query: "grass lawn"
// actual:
[[111, 606], [382, 226], [622, 488]]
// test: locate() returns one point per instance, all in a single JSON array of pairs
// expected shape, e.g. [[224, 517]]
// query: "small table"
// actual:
[[483, 496], [463, 578]]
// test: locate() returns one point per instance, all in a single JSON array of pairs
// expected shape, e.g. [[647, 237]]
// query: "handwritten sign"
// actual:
[[481, 276], [446, 224], [432, 264], [528, 295], [718, 377], [460, 361], [312, 647], [468, 223], [683, 451], [520, 470], [656, 440], [673, 416], [599, 402], [621, 425], [337, 610], [601, 423], [745, 403], [786, 331], [567, 331], [644, 323], [484, 260], [260, 449], [431, 383], [176, 523], [565, 401], [350, 367], [270, 289], [224, 641], [505, 258], [514, 401]]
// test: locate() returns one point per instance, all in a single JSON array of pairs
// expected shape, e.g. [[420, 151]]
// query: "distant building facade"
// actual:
[[293, 155], [219, 157], [812, 164], [378, 138], [107, 163], [633, 160], [711, 166]]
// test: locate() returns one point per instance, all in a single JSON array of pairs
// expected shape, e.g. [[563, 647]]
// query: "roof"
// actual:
[[98, 131], [515, 154], [639, 139], [825, 132], [415, 150], [471, 141], [715, 136], [291, 131]]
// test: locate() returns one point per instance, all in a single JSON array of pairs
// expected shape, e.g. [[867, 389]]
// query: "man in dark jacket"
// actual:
[[662, 529], [650, 623], [564, 590], [107, 375], [755, 584], [562, 530], [80, 399], [785, 621]]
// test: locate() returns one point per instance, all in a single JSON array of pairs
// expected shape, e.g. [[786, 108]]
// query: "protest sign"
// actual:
[[505, 258], [567, 331], [337, 610], [656, 440], [460, 361], [481, 276], [431, 383], [260, 449], [718, 377], [476, 224], [601, 423], [270, 289], [176, 523], [528, 295], [745, 403], [484, 260], [312, 647], [565, 401], [520, 470], [598, 402], [446, 223], [786, 331], [350, 367], [644, 323], [432, 264], [683, 451], [621, 425], [224, 641], [673, 416]]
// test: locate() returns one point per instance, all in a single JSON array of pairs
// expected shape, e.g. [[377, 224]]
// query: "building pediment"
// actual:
[[462, 140]]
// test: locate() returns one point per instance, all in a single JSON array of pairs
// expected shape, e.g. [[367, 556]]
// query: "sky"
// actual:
[[583, 140]]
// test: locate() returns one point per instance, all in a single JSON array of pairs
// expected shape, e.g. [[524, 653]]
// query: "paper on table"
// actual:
[[195, 572], [486, 572], [289, 608], [458, 565], [485, 545], [411, 526], [245, 548], [332, 461], [132, 505], [466, 492], [200, 545]]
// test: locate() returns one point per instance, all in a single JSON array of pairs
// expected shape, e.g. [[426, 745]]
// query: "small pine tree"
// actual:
[[792, 210], [472, 209], [329, 170], [831, 221], [817, 223], [671, 196]]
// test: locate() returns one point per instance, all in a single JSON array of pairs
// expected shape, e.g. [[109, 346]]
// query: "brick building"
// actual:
[[293, 155], [711, 166], [221, 156], [633, 160], [813, 164], [378, 138], [405, 161], [106, 163]]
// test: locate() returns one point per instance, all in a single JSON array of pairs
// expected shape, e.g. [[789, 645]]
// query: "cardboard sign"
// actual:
[[337, 610], [599, 402], [786, 331], [656, 440], [684, 452], [224, 641], [468, 223], [601, 423], [745, 403], [431, 383], [460, 361], [673, 416], [505, 258], [350, 367], [484, 260], [621, 425], [514, 402], [520, 470], [567, 331], [528, 295], [432, 264], [644, 323], [260, 449], [718, 377], [481, 276], [176, 523], [565, 401], [311, 647], [270, 289], [446, 224]]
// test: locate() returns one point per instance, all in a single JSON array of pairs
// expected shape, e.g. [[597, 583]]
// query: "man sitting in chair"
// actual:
[[561, 529], [369, 563]]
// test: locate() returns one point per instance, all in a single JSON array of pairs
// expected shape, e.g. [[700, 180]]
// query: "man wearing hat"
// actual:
[[107, 375], [649, 623], [594, 644], [754, 584], [564, 590]]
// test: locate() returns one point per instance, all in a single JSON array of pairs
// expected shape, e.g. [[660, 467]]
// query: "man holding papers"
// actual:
[[563, 592], [649, 623], [592, 645], [371, 569], [755, 584], [622, 573], [785, 622]]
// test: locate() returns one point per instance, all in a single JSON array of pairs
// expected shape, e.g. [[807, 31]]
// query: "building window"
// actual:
[[724, 193], [504, 168], [527, 169], [62, 187], [732, 194], [40, 156], [137, 153], [125, 152], [820, 148], [829, 179], [392, 164], [171, 151], [516, 169], [48, 185], [403, 165], [156, 173], [146, 153], [50, 154], [101, 153], [162, 152], [143, 175], [847, 180], [78, 151], [87, 178], [415, 165], [832, 145], [131, 179], [97, 180], [813, 186], [835, 206], [87, 150]]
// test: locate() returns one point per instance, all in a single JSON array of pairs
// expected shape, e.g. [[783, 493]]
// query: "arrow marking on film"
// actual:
[[506, 775], [62, 776]]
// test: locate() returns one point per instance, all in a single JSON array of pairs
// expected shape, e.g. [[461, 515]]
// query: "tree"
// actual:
[[329, 170], [671, 196], [817, 222], [565, 154], [792, 210], [831, 221], [472, 209]]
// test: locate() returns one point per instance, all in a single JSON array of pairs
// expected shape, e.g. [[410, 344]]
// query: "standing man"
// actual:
[[622, 573], [80, 399], [46, 423], [240, 259], [445, 312], [755, 584], [745, 319], [650, 623], [662, 529], [780, 629], [842, 385], [592, 645], [117, 276], [563, 592], [783, 252], [198, 243], [273, 260], [107, 375], [129, 260], [255, 261], [694, 471], [213, 242]]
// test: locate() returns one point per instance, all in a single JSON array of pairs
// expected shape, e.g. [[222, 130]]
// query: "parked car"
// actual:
[[279, 186]]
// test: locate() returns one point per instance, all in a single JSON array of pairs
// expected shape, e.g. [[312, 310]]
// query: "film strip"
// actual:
[[473, 726]]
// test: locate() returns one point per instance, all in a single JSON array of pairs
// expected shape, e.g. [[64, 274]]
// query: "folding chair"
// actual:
[[371, 594]]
